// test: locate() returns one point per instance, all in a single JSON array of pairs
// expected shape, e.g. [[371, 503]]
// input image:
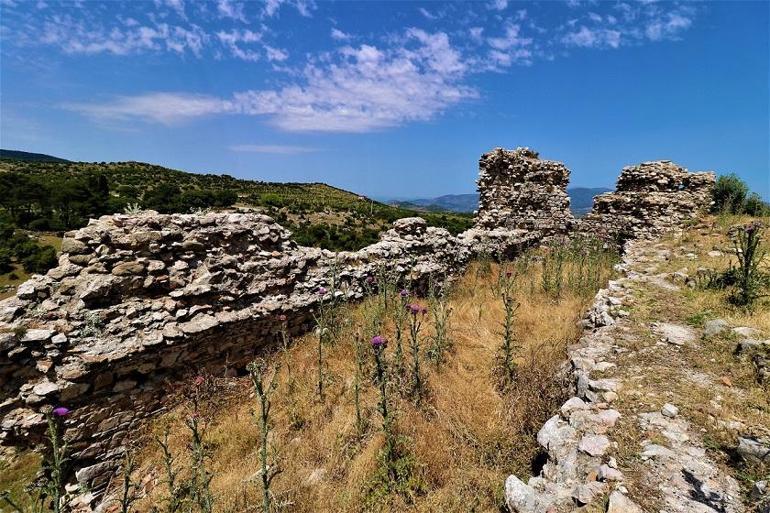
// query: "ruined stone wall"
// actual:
[[517, 190], [650, 198], [137, 302]]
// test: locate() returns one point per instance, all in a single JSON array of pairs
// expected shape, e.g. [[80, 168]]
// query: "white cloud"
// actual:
[[277, 149], [75, 36], [166, 108], [427, 14], [276, 54], [234, 40], [510, 40], [498, 5], [593, 38], [176, 5], [339, 35], [667, 27], [303, 7], [365, 88], [231, 9], [476, 34]]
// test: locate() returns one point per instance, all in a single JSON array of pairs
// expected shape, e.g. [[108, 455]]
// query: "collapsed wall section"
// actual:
[[650, 198], [519, 191]]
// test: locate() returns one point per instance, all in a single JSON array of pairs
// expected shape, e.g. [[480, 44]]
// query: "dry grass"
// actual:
[[461, 443]]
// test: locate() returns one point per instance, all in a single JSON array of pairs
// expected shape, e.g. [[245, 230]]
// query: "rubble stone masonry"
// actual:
[[138, 302]]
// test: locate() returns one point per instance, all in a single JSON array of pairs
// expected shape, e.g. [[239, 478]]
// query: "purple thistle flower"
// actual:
[[414, 308], [370, 279], [61, 411], [322, 291], [379, 342], [404, 293]]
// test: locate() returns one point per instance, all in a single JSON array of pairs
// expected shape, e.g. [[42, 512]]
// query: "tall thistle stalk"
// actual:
[[200, 478], [415, 323], [440, 312], [174, 491], [379, 344], [357, 382], [400, 314], [321, 331], [56, 460], [264, 389], [507, 281]]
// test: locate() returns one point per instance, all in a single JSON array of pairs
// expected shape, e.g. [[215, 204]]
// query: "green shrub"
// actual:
[[729, 194], [754, 206]]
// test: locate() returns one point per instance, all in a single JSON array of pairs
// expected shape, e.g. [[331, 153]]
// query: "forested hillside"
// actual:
[[58, 196]]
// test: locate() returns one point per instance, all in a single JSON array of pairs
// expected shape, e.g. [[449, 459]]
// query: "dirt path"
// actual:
[[655, 407]]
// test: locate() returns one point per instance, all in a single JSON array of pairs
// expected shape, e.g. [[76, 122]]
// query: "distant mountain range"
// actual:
[[26, 156], [581, 201]]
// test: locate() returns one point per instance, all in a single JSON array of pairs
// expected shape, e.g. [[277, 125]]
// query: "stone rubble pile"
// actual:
[[650, 198], [519, 191]]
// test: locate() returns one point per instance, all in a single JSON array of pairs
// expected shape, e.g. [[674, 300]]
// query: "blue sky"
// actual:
[[390, 99]]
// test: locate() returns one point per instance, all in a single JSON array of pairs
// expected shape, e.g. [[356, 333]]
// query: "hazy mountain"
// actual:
[[581, 201], [26, 156]]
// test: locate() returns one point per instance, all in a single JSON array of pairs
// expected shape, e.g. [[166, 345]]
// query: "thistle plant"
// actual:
[[56, 461], [321, 331], [174, 498], [400, 315], [295, 419], [200, 478], [50, 493], [440, 312], [750, 280], [357, 379], [129, 488], [417, 313], [507, 365], [379, 343], [264, 389]]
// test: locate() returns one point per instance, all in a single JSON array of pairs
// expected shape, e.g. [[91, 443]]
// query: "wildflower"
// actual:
[[282, 318], [414, 308], [61, 411], [199, 380], [379, 342], [370, 280], [322, 291], [404, 293]]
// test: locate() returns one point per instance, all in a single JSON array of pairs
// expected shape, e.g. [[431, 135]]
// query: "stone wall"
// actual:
[[517, 190], [137, 302], [650, 198]]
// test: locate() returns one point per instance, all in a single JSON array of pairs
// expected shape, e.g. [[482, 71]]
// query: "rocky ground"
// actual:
[[670, 413]]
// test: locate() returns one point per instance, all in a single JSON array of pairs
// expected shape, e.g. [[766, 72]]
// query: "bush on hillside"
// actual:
[[731, 196]]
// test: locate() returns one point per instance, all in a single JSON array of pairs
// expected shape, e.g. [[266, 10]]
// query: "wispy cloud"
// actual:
[[166, 108], [366, 88], [593, 38], [276, 149], [339, 35]]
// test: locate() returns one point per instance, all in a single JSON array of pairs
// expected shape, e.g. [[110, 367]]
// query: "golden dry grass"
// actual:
[[462, 441]]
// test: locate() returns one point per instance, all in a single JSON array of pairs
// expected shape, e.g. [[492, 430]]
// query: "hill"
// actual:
[[57, 196], [28, 157], [581, 201]]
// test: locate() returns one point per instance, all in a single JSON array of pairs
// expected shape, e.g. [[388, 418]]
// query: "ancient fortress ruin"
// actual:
[[139, 301]]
